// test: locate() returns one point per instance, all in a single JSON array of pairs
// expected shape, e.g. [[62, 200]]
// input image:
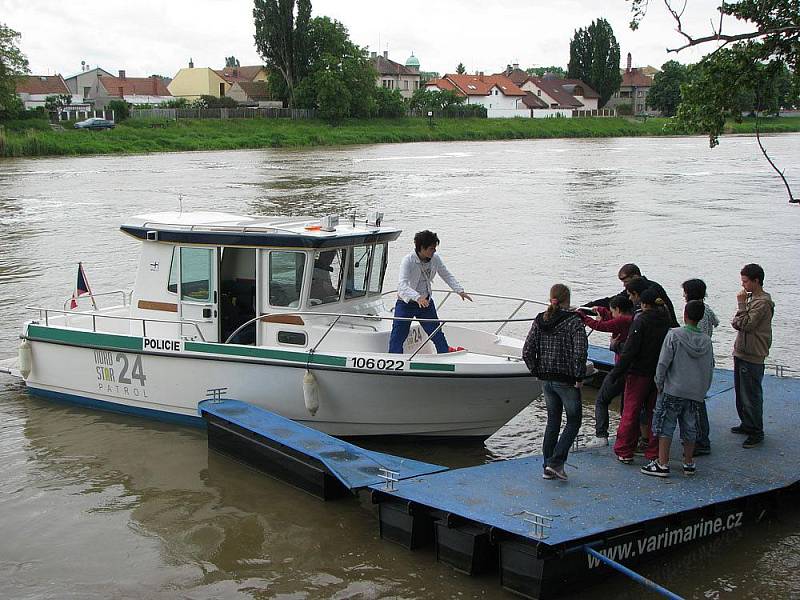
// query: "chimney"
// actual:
[[480, 75], [235, 72], [155, 86], [515, 65], [121, 74], [191, 64], [385, 54], [629, 62]]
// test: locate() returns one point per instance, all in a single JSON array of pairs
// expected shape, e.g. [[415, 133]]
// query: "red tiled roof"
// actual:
[[588, 92], [481, 85], [443, 84], [531, 100], [234, 74], [552, 87], [255, 90], [386, 66], [134, 86], [635, 78], [42, 84]]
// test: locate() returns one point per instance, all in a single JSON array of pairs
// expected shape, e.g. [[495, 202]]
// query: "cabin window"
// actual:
[[196, 269], [357, 272], [286, 278], [327, 279], [378, 269], [172, 284], [296, 338]]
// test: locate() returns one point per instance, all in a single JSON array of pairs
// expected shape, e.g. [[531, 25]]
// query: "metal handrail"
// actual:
[[126, 294], [94, 315]]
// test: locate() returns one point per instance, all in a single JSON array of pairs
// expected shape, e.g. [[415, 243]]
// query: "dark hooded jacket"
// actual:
[[643, 346], [556, 348], [662, 293]]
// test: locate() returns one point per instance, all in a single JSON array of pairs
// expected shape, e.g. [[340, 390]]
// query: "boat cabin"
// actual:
[[212, 273]]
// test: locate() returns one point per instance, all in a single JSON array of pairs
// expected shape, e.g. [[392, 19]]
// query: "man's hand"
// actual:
[[423, 301], [579, 384], [741, 296], [465, 296]]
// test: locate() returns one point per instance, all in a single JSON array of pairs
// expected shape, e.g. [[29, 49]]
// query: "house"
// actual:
[[82, 84], [249, 73], [191, 83], [134, 90], [636, 84], [554, 92], [253, 93], [497, 93], [394, 76], [33, 90]]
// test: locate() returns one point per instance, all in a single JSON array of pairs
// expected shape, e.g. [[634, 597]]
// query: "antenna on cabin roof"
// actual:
[[180, 204]]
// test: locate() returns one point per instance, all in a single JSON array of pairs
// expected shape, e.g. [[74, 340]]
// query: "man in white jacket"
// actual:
[[414, 292]]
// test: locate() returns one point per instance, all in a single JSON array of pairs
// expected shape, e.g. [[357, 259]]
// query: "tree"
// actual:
[[426, 100], [594, 59], [232, 61], [334, 63], [745, 60], [57, 102], [13, 64], [121, 109], [461, 69], [282, 39], [539, 71], [389, 103], [665, 94]]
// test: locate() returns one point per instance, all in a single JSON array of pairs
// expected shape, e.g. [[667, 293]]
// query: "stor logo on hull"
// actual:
[[162, 345]]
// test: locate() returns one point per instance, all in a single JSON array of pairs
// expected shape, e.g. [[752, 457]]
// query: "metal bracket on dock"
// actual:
[[390, 478], [216, 394], [539, 522]]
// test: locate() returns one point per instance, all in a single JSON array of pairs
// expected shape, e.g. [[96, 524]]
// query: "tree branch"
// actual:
[[792, 199], [732, 38]]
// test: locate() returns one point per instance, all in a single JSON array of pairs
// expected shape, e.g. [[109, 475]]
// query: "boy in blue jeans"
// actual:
[[683, 376]]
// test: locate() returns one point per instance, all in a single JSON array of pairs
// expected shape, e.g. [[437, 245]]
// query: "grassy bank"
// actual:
[[24, 138]]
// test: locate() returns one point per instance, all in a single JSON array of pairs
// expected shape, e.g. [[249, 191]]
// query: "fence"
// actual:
[[449, 113], [80, 115], [598, 112], [222, 113]]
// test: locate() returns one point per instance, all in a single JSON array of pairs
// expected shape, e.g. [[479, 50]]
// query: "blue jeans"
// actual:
[[703, 428], [560, 397], [747, 379], [609, 390], [400, 329]]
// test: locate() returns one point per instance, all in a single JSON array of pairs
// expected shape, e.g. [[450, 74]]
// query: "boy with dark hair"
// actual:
[[753, 322], [683, 375], [615, 320], [628, 272]]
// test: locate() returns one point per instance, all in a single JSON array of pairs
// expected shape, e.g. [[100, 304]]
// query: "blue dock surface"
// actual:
[[353, 466]]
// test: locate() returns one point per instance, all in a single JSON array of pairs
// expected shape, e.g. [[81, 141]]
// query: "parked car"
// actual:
[[95, 123]]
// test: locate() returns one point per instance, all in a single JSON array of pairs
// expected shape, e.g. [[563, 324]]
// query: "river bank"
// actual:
[[35, 138]]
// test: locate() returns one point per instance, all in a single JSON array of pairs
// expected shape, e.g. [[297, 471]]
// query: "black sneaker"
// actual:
[[702, 451], [752, 441], [655, 469], [740, 429], [547, 475], [689, 469], [559, 473]]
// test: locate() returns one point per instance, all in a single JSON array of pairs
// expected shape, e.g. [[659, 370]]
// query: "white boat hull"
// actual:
[[352, 402]]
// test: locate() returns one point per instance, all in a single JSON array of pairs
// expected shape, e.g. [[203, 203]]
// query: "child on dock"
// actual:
[[555, 351], [683, 377], [615, 320]]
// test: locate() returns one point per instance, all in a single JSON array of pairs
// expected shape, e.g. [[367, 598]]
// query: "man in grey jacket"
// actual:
[[683, 377]]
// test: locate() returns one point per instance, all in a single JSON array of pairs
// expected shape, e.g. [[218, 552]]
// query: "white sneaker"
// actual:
[[597, 442]]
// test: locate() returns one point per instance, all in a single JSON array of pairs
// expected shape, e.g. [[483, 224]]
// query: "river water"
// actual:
[[96, 505]]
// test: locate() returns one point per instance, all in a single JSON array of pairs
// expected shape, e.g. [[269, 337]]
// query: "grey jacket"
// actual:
[[686, 364]]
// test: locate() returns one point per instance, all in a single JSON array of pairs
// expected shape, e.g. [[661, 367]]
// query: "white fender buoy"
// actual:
[[25, 358], [311, 392]]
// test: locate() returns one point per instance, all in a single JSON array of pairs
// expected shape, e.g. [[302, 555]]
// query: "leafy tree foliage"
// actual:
[[206, 101], [282, 39], [335, 64], [539, 71], [57, 102], [232, 61], [435, 99], [390, 103], [461, 69], [122, 109], [594, 59], [13, 64], [665, 94]]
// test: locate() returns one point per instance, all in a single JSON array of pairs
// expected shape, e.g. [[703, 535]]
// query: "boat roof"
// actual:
[[226, 229]]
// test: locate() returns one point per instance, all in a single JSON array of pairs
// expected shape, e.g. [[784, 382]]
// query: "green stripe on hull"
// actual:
[[253, 352], [85, 338], [431, 367]]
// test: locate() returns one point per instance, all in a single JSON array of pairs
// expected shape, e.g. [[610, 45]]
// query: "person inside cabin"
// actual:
[[683, 376], [325, 272], [637, 365], [695, 289], [615, 320], [555, 351], [630, 271], [753, 323], [414, 293]]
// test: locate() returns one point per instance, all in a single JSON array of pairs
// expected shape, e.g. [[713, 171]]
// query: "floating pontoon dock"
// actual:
[[503, 516]]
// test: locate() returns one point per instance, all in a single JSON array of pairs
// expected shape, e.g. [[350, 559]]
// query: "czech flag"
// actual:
[[81, 288]]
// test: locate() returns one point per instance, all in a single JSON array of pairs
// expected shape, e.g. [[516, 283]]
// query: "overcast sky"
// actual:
[[147, 37]]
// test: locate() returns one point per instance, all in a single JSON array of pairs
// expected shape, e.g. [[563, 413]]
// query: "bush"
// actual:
[[122, 110], [390, 103], [625, 110], [214, 102]]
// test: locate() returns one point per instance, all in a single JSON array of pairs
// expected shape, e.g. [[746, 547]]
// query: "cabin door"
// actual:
[[198, 293]]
